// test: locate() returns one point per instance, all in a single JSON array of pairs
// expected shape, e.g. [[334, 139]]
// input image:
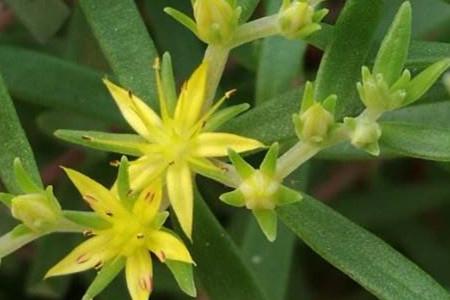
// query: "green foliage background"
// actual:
[[52, 60]]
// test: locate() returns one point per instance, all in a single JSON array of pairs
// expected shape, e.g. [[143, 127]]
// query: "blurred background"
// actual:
[[406, 202]]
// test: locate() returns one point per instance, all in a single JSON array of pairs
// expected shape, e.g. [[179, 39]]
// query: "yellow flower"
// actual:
[[175, 145], [135, 230]]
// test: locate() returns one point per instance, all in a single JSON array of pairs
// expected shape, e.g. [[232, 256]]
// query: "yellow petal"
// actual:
[[139, 275], [166, 245], [179, 187], [213, 144], [100, 199], [138, 114], [148, 202], [94, 252], [192, 97], [145, 170]]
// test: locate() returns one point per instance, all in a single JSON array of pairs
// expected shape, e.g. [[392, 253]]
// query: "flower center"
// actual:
[[129, 235], [259, 190]]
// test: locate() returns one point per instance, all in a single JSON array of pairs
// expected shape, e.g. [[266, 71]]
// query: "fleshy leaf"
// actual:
[[129, 144], [104, 277], [423, 81], [24, 181], [267, 220], [393, 52], [184, 276]]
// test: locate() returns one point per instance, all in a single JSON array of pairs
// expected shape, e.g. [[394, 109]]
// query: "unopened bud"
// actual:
[[35, 211], [364, 134], [216, 20], [314, 124]]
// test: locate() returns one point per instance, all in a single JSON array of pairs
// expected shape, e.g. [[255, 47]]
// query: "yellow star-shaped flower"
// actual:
[[175, 144], [133, 229]]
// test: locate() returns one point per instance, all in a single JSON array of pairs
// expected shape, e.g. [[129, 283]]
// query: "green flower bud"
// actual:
[[35, 211], [378, 96], [364, 134], [298, 19], [216, 20], [314, 124], [258, 191]]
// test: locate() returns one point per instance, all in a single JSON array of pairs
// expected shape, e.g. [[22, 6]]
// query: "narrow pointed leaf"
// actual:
[[421, 83], [43, 18], [126, 45], [184, 276], [129, 144], [14, 144], [23, 179], [393, 52], [341, 243]]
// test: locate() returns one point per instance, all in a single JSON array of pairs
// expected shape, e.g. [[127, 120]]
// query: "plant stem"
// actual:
[[216, 57], [294, 158], [254, 30]]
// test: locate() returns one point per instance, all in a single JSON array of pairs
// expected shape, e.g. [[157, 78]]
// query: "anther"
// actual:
[[114, 163], [150, 196], [109, 214], [145, 283], [89, 198], [98, 265], [88, 233], [86, 138], [130, 94], [82, 259], [140, 236]]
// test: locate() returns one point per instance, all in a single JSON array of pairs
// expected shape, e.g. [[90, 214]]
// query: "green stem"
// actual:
[[67, 226], [294, 158], [254, 30], [216, 57]]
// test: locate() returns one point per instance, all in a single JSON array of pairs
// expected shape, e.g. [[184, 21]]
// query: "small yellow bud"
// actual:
[[295, 17], [259, 191], [216, 20], [364, 134], [34, 211], [314, 124]]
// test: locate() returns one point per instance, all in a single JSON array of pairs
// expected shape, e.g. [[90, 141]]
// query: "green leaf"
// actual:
[[126, 44], [416, 140], [14, 144], [129, 144], [393, 51], [77, 89], [86, 219], [421, 83], [43, 18], [184, 276], [345, 55], [16, 238], [23, 179], [104, 277], [358, 253], [230, 277]]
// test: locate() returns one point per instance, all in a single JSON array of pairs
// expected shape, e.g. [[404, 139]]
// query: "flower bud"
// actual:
[[35, 211], [364, 134], [314, 124], [259, 191], [216, 20]]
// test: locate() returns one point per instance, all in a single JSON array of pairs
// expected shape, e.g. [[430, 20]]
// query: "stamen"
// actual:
[[114, 163], [162, 256], [89, 199], [140, 236], [149, 197], [86, 138], [99, 265], [145, 283], [109, 214], [88, 233], [82, 259], [130, 94]]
